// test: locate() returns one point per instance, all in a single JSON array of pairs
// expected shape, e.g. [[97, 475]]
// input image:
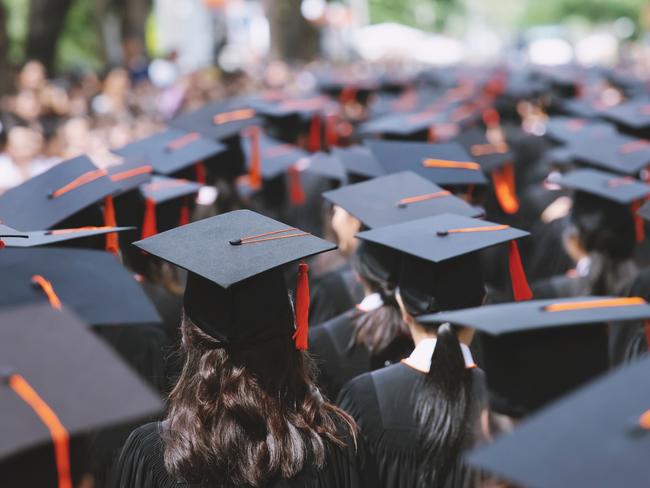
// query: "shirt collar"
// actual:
[[371, 302], [420, 358]]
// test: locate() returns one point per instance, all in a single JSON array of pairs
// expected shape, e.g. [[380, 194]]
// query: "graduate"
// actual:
[[245, 411], [419, 416]]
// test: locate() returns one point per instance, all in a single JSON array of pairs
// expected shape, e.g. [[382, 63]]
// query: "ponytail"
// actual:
[[443, 409]]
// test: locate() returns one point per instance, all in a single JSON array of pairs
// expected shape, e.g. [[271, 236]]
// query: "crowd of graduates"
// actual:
[[390, 279]]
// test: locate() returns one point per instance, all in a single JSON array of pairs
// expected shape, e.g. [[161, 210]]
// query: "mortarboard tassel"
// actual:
[[184, 217], [149, 224], [520, 289], [48, 289], [2, 244], [491, 118], [58, 432], [296, 191], [313, 143], [639, 224], [331, 135], [302, 308], [255, 163], [504, 188], [199, 172], [112, 245]]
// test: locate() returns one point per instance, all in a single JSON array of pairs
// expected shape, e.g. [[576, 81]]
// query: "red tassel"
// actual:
[[504, 188], [313, 143], [199, 173], [520, 289], [431, 134], [331, 136], [184, 217], [302, 308], [491, 118], [149, 224], [646, 330], [2, 244], [255, 163], [639, 224], [112, 245], [296, 191]]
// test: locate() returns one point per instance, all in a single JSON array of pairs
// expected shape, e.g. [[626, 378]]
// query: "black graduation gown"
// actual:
[[333, 293], [141, 465], [338, 362], [383, 405]]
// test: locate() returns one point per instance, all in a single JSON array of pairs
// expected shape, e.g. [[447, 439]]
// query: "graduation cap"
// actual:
[[544, 348], [235, 290], [405, 126], [445, 164], [564, 130], [396, 198], [129, 175], [615, 152], [65, 195], [92, 283], [358, 161], [218, 120], [443, 248], [171, 151], [633, 114], [596, 437], [35, 238], [7, 232], [58, 382], [623, 190]]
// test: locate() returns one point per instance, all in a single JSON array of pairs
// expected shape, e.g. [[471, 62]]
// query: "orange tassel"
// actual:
[[313, 143], [255, 163], [639, 224], [184, 217], [199, 173], [296, 191], [112, 245], [302, 308], [504, 187], [491, 118], [331, 136], [520, 289], [149, 224]]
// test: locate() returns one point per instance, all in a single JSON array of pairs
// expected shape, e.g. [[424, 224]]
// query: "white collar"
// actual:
[[420, 358], [371, 302], [583, 265]]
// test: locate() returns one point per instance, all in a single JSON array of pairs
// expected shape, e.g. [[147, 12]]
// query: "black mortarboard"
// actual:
[[218, 120], [445, 164], [544, 348], [235, 290], [92, 283], [441, 260], [171, 151], [403, 126], [129, 175], [490, 156], [35, 238], [59, 383], [6, 231], [564, 129], [276, 157], [395, 198], [616, 152], [610, 186], [358, 161], [48, 199], [161, 189], [632, 114], [597, 437]]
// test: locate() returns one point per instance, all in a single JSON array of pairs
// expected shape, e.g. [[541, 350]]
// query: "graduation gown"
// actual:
[[339, 360], [141, 465], [333, 293], [383, 405]]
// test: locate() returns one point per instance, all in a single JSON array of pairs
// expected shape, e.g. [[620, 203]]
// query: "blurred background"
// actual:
[[81, 76]]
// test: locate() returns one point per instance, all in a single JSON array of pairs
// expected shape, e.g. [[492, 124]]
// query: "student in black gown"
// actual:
[[245, 411], [369, 336], [419, 416]]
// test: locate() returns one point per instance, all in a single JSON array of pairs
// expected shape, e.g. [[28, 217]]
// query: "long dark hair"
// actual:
[[247, 416], [377, 329], [444, 409]]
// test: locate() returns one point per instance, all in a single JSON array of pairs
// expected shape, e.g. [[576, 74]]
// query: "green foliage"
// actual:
[[410, 12], [17, 11], [555, 11], [80, 43]]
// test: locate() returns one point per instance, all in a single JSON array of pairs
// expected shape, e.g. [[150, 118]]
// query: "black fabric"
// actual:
[[141, 465], [339, 359], [383, 404], [333, 293]]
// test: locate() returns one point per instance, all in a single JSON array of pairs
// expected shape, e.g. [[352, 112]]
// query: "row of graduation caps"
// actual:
[[427, 212]]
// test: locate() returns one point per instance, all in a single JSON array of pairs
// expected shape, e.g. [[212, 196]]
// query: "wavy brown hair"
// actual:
[[247, 416]]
